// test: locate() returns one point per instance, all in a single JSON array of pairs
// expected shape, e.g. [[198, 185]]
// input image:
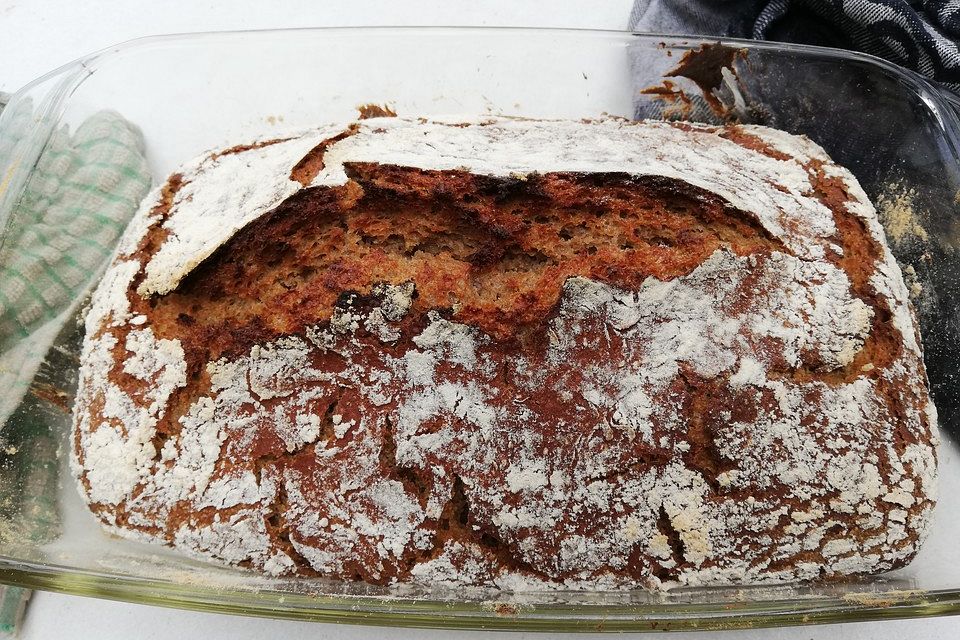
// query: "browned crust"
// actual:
[[240, 148], [489, 252]]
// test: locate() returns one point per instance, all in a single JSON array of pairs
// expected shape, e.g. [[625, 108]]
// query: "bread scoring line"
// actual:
[[210, 208]]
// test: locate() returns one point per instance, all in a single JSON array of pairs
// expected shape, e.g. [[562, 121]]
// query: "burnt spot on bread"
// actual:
[[460, 505]]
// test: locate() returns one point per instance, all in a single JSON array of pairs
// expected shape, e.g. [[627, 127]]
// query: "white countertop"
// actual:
[[36, 36]]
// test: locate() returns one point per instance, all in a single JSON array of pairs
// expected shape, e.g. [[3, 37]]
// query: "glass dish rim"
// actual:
[[492, 615], [944, 100], [478, 614]]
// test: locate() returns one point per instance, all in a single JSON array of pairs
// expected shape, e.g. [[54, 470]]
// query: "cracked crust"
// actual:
[[473, 376]]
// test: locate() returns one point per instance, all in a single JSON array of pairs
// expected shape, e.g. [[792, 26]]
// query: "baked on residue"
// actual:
[[515, 353]]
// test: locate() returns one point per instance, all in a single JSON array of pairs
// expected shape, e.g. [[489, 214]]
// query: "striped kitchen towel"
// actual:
[[84, 188], [78, 199]]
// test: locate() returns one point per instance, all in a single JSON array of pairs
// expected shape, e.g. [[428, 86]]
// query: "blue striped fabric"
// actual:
[[922, 35]]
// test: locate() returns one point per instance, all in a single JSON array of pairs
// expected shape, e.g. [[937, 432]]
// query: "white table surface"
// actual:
[[37, 36]]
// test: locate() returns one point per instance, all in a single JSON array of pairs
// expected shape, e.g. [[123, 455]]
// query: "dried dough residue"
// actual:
[[900, 218]]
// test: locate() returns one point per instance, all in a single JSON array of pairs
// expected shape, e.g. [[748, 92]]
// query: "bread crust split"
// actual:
[[516, 353]]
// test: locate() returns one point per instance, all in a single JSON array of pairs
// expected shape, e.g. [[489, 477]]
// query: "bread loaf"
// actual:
[[508, 352]]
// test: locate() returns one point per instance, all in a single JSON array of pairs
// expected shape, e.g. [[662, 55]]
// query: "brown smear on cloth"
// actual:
[[704, 67], [681, 104]]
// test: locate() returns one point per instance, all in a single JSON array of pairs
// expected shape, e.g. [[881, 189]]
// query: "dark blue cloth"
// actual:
[[923, 35]]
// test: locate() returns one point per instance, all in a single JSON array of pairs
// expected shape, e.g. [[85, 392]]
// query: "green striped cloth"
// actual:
[[79, 198], [76, 203]]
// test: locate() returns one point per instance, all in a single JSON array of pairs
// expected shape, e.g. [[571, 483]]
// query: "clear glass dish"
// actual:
[[186, 94]]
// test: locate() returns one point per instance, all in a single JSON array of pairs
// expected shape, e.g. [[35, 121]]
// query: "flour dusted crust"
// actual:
[[509, 352]]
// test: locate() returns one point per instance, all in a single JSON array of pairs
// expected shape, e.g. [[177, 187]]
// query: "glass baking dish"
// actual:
[[186, 94]]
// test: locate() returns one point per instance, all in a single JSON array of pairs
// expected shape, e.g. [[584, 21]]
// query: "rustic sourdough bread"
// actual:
[[511, 352]]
